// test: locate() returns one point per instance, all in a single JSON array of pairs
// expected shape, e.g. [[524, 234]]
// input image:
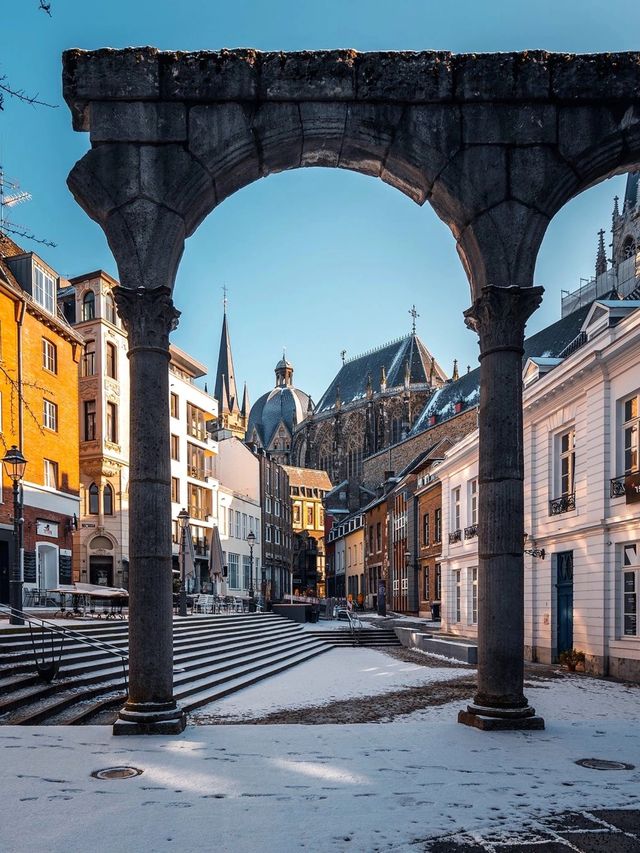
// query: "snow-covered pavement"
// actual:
[[282, 788]]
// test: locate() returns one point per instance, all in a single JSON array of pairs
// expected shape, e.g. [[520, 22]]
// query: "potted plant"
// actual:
[[571, 658]]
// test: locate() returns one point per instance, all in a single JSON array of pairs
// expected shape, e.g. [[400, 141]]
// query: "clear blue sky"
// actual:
[[316, 260]]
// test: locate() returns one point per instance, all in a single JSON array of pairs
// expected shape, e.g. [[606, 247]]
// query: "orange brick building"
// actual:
[[39, 356]]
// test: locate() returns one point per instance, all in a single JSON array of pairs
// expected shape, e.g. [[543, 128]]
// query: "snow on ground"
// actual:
[[335, 675], [365, 788]]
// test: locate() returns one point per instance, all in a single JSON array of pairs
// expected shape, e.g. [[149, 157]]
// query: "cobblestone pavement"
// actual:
[[600, 831]]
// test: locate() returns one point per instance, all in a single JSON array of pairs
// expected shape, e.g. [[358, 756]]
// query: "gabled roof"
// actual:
[[352, 378], [309, 477]]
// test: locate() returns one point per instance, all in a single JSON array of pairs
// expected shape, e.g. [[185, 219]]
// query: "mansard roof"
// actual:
[[547, 343], [352, 378]]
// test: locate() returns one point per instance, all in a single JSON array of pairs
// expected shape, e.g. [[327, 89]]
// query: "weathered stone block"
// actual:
[[322, 132], [308, 75], [114, 75], [503, 124], [368, 134], [223, 75], [426, 139], [404, 77], [106, 178], [278, 130], [590, 139], [502, 76], [172, 177], [590, 77], [137, 121], [540, 178], [474, 180], [222, 139]]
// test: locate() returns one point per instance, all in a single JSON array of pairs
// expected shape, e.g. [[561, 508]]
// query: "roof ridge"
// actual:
[[379, 348]]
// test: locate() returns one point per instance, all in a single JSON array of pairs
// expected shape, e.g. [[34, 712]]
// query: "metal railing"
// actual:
[[48, 671], [454, 537], [562, 504], [355, 623], [471, 531], [618, 485]]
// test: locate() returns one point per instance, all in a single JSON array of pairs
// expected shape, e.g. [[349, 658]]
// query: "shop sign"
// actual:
[[47, 528]]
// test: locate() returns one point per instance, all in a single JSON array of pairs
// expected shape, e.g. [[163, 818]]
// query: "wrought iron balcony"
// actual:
[[454, 537], [200, 547], [471, 531], [562, 504], [617, 487]]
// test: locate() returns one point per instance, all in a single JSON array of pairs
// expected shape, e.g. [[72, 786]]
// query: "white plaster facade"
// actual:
[[239, 512]]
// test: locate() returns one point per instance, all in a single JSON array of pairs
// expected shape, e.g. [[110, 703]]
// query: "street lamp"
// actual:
[[183, 521], [14, 465], [251, 541]]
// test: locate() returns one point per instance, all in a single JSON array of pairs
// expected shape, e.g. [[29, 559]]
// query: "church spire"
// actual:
[[244, 411], [456, 375], [225, 373], [616, 209], [601, 257]]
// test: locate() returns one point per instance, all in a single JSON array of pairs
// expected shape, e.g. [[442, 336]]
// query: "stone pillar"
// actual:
[[499, 316], [149, 316]]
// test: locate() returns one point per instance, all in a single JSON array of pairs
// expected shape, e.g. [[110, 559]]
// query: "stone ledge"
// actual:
[[464, 652]]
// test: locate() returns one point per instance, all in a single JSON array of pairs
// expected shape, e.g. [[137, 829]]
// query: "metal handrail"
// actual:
[[65, 632], [354, 622]]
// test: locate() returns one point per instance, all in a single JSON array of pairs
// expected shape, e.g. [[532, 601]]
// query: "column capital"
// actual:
[[499, 316], [148, 314]]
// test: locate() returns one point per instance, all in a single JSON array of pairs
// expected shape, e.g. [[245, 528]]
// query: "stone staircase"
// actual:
[[365, 637], [213, 656]]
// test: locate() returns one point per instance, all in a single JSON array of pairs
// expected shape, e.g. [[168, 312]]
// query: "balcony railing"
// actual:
[[618, 486], [199, 512], [471, 531], [200, 547], [196, 472], [198, 431], [454, 537], [562, 504]]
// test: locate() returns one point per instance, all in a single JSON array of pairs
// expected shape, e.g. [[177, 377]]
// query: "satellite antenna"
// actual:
[[13, 199]]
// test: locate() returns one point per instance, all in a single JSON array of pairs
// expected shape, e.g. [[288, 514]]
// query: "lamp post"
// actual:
[[251, 541], [14, 465], [183, 521]]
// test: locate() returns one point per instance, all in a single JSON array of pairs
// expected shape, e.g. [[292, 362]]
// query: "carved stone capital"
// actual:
[[148, 314], [500, 314]]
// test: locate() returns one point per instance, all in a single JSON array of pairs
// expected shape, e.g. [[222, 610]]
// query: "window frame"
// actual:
[[49, 414], [630, 426], [88, 306], [89, 420], [50, 466], [44, 294], [49, 356]]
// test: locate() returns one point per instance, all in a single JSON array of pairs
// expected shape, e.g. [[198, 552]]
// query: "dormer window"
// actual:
[[44, 289], [89, 306]]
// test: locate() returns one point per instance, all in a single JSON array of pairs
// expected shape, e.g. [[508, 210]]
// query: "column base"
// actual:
[[501, 719], [150, 719]]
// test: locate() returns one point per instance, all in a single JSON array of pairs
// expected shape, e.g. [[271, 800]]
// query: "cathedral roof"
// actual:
[[631, 194], [283, 404], [547, 343], [352, 378]]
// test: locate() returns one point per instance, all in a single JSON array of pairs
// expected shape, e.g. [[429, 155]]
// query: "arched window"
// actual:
[[107, 499], [628, 248], [112, 367], [94, 503], [89, 305], [110, 310]]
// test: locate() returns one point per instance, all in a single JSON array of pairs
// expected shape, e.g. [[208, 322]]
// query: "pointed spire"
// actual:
[[383, 379], [414, 315], [432, 371], [225, 373], [369, 387], [456, 375], [244, 411], [616, 209], [223, 399], [601, 257], [407, 374]]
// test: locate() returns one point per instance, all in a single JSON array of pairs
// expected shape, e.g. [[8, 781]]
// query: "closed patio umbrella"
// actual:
[[216, 564]]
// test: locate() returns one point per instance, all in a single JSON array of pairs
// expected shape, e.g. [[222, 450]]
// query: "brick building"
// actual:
[[277, 535]]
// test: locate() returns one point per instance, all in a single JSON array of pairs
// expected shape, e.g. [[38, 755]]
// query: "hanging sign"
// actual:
[[47, 528]]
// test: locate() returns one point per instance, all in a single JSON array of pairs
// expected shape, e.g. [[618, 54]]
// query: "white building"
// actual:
[[239, 513]]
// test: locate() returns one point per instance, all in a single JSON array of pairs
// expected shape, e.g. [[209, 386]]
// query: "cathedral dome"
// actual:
[[277, 412]]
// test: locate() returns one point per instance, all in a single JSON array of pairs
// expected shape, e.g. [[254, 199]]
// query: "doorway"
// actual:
[[47, 566], [101, 571], [564, 587]]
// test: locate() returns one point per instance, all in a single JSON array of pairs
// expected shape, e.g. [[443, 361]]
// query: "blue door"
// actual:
[[564, 586]]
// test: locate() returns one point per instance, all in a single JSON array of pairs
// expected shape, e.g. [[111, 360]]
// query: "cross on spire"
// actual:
[[414, 315], [343, 353], [225, 301]]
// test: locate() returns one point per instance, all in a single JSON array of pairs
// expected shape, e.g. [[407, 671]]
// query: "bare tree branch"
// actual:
[[21, 95], [45, 7]]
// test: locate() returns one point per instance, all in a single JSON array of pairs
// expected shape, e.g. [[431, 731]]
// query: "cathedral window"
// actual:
[[628, 248]]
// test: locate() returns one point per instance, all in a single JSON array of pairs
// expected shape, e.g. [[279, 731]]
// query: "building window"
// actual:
[[234, 570], [458, 594], [238, 525], [567, 443], [631, 432], [296, 513], [112, 361], [50, 474], [455, 509], [244, 525], [89, 359], [107, 500], [175, 490], [276, 531], [378, 537], [94, 508], [268, 533], [110, 309], [310, 516], [473, 579], [438, 581], [89, 420], [473, 501], [89, 306], [44, 289], [425, 529], [630, 579], [276, 507], [112, 423], [174, 405], [246, 572], [49, 356], [50, 415], [267, 504], [437, 525], [175, 447]]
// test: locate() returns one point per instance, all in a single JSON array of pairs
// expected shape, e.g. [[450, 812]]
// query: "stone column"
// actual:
[[499, 316], [149, 316]]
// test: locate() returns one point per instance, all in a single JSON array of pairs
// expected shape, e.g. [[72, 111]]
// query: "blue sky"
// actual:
[[316, 260]]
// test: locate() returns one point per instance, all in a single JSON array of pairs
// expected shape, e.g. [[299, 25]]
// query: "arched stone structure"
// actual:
[[496, 143]]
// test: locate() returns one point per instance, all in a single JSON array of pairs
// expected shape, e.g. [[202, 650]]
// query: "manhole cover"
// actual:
[[602, 764], [117, 773]]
